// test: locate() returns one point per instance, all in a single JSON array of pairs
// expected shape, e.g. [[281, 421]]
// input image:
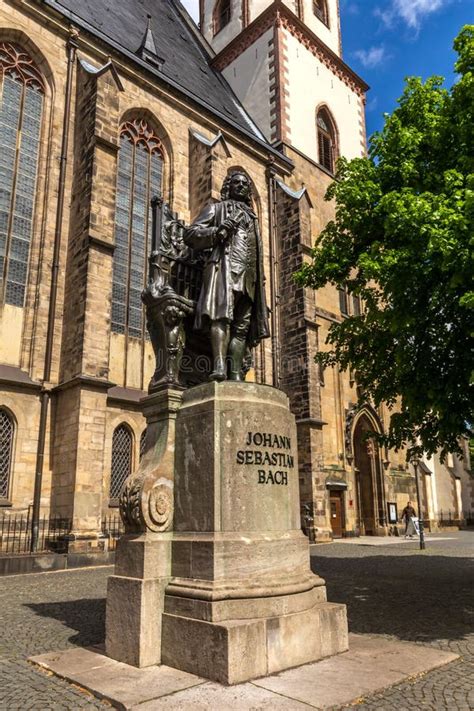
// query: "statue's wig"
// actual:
[[225, 191]]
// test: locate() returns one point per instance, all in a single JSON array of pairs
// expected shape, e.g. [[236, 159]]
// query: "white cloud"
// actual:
[[372, 104], [412, 12], [350, 8], [371, 57]]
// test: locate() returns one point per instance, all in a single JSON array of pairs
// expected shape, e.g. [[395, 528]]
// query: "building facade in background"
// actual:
[[103, 106]]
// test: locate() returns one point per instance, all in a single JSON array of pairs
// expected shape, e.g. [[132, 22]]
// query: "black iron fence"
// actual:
[[468, 518], [451, 519], [15, 534], [112, 529], [448, 519]]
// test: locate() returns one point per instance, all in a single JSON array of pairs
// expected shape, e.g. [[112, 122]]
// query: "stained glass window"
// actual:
[[21, 111], [7, 430], [140, 169], [122, 443]]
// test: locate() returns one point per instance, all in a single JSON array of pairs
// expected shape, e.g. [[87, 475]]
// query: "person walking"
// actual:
[[408, 514]]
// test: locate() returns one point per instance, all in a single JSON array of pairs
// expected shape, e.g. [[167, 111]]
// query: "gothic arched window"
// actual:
[[122, 448], [22, 92], [221, 15], [320, 9], [326, 140], [140, 172], [7, 431]]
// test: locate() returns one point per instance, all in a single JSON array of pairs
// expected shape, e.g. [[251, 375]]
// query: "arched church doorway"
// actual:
[[370, 488]]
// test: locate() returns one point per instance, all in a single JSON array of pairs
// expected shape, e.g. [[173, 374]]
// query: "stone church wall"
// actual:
[[87, 358]]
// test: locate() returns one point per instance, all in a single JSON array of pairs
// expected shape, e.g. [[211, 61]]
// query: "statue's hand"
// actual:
[[226, 229]]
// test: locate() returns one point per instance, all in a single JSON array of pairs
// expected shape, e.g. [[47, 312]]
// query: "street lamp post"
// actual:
[[420, 513]]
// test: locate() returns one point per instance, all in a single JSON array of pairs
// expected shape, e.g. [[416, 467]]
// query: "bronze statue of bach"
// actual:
[[231, 305]]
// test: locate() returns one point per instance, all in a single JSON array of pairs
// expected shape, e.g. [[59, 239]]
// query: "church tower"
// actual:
[[283, 60]]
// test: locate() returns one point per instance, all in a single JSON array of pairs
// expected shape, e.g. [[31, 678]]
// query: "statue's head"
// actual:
[[237, 186]]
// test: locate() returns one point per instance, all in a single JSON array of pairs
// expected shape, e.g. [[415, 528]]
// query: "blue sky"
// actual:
[[386, 40]]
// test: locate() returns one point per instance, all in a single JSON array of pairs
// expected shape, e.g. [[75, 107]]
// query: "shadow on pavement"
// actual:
[[85, 616], [413, 597], [420, 598]]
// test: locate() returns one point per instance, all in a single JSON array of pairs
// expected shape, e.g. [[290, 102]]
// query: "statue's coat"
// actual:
[[216, 300]]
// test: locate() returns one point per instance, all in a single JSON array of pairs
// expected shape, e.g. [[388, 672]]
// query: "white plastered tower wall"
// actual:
[[311, 84], [330, 34], [232, 29], [249, 77], [307, 83], [244, 12], [283, 62]]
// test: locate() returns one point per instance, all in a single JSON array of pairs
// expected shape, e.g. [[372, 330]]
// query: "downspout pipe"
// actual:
[[48, 358], [273, 277]]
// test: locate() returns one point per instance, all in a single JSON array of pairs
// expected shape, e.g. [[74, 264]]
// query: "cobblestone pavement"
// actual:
[[46, 612], [425, 597], [394, 591]]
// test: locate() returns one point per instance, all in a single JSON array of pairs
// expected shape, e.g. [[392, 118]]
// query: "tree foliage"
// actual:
[[402, 240]]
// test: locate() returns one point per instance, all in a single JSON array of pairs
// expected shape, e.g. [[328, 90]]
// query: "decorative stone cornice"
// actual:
[[97, 72], [210, 142], [279, 14], [16, 378], [86, 382]]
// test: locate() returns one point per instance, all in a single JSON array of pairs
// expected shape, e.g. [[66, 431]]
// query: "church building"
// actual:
[[104, 105]]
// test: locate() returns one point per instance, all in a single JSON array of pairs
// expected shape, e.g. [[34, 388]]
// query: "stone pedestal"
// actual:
[[242, 601], [135, 592]]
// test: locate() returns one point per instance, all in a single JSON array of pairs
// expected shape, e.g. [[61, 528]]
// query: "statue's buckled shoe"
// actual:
[[220, 372]]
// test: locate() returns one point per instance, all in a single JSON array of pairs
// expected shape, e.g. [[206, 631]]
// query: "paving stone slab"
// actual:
[[123, 685], [371, 664], [214, 697]]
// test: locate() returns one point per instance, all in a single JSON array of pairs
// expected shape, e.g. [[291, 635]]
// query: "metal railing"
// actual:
[[15, 534], [446, 519], [112, 529], [468, 518], [450, 519]]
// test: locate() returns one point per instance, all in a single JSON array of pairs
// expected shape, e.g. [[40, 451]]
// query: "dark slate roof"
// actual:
[[185, 64]]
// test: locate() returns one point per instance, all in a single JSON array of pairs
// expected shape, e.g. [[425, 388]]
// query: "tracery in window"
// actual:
[[320, 9], [7, 431], [139, 178], [326, 140], [222, 14], [22, 92], [122, 444]]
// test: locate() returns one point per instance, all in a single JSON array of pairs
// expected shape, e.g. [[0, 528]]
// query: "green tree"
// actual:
[[402, 240]]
